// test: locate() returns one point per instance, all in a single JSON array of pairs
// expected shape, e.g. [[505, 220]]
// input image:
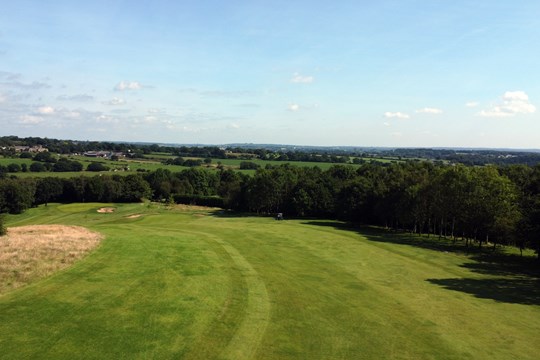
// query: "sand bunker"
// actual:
[[134, 216], [106, 210], [28, 253]]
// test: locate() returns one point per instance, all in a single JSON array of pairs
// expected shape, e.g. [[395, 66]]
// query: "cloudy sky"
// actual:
[[366, 73]]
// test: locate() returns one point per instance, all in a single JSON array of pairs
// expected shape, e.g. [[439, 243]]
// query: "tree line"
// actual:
[[477, 204], [279, 152]]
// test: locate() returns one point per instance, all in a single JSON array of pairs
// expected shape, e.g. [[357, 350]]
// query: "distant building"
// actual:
[[103, 154]]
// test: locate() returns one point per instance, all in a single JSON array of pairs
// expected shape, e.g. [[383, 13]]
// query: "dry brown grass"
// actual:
[[28, 253], [182, 207]]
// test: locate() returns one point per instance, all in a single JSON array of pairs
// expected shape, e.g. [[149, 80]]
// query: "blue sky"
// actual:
[[364, 73]]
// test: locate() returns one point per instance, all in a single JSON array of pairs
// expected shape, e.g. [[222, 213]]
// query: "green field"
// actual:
[[202, 284], [153, 162]]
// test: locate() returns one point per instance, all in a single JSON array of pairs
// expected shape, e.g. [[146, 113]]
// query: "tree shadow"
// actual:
[[500, 264], [485, 260], [518, 278], [508, 290], [378, 234]]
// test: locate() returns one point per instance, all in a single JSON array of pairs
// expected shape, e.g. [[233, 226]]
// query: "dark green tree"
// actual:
[[47, 189], [14, 168], [16, 195], [45, 157], [3, 228], [135, 189], [97, 166], [37, 167]]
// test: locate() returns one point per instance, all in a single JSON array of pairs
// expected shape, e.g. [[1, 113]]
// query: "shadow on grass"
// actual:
[[518, 278], [508, 290], [387, 236]]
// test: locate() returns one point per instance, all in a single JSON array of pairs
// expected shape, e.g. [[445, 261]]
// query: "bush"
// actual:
[[13, 168], [248, 165], [65, 165], [97, 166], [45, 157], [37, 167], [192, 162]]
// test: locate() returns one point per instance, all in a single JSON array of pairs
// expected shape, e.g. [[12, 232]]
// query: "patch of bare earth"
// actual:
[[28, 253], [106, 210]]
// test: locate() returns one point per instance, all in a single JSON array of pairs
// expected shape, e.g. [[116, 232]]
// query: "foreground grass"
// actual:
[[200, 285]]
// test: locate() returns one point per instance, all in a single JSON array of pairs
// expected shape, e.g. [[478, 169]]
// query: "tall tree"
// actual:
[[47, 189]]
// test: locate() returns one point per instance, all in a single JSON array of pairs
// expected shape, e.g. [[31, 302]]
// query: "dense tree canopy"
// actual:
[[499, 205]]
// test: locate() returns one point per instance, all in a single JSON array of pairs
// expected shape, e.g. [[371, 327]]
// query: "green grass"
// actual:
[[205, 285], [7, 161]]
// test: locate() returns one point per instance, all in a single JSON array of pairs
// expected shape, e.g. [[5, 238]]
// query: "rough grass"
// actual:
[[29, 253], [175, 284]]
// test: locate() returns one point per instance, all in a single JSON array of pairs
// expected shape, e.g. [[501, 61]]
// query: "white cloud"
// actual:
[[115, 101], [36, 85], [300, 79], [293, 107], [105, 119], [79, 97], [46, 110], [398, 115], [128, 85], [233, 126], [510, 104], [230, 94], [9, 75], [427, 110], [472, 104], [30, 119], [71, 114]]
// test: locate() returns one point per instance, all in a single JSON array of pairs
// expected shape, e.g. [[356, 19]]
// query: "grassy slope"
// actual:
[[196, 285]]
